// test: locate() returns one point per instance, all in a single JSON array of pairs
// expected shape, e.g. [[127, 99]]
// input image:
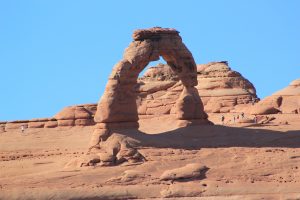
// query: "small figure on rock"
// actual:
[[255, 119], [222, 119], [243, 115], [233, 118], [22, 128]]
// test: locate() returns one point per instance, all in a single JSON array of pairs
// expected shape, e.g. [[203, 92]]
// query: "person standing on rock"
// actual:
[[22, 128], [222, 119], [255, 119], [242, 115]]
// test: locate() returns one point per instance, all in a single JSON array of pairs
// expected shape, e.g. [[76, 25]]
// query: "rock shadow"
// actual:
[[208, 136]]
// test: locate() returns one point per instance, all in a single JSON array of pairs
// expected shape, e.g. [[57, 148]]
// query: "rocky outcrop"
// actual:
[[33, 123], [286, 100], [189, 171], [79, 115], [118, 103], [117, 109], [220, 89]]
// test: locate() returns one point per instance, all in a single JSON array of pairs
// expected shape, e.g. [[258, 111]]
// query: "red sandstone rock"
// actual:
[[36, 124], [84, 122], [286, 100], [82, 114], [51, 124], [66, 122], [118, 103], [219, 88], [16, 125]]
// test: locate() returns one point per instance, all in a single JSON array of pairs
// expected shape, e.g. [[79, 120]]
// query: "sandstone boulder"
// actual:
[[286, 100], [189, 171], [79, 115]]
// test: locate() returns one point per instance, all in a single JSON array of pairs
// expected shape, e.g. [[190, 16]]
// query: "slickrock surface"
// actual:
[[286, 100], [245, 162]]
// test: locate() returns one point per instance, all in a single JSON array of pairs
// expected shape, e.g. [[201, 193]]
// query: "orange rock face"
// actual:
[[285, 101], [118, 103], [79, 115], [220, 89]]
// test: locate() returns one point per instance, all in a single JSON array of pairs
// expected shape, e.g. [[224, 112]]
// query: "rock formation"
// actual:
[[117, 109], [220, 89], [80, 115], [118, 103], [286, 100]]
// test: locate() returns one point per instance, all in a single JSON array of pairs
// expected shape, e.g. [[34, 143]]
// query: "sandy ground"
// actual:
[[244, 161]]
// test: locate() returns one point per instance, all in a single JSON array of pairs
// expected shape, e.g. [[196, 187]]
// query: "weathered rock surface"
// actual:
[[78, 115], [118, 106], [118, 103], [286, 101], [219, 87], [190, 171]]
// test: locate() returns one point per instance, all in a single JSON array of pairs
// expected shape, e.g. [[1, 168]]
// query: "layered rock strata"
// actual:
[[77, 115], [220, 89], [285, 101]]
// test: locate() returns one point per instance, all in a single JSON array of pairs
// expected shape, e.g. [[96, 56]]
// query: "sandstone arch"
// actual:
[[118, 103], [117, 108]]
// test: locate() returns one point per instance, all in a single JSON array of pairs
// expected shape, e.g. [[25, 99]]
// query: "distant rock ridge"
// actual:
[[77, 115], [221, 90]]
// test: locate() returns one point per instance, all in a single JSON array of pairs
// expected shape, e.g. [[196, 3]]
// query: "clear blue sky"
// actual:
[[55, 53]]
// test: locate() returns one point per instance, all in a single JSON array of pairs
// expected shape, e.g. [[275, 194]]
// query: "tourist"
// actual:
[[255, 119], [242, 115], [22, 128], [222, 119]]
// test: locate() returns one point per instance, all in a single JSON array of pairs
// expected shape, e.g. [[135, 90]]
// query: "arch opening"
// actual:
[[152, 64], [118, 103]]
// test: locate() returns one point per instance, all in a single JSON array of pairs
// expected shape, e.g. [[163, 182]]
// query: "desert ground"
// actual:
[[242, 161]]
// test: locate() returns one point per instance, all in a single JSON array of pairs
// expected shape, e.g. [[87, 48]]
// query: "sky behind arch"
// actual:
[[59, 53]]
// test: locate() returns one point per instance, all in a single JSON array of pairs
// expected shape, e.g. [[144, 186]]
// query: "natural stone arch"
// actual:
[[118, 103], [117, 109]]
